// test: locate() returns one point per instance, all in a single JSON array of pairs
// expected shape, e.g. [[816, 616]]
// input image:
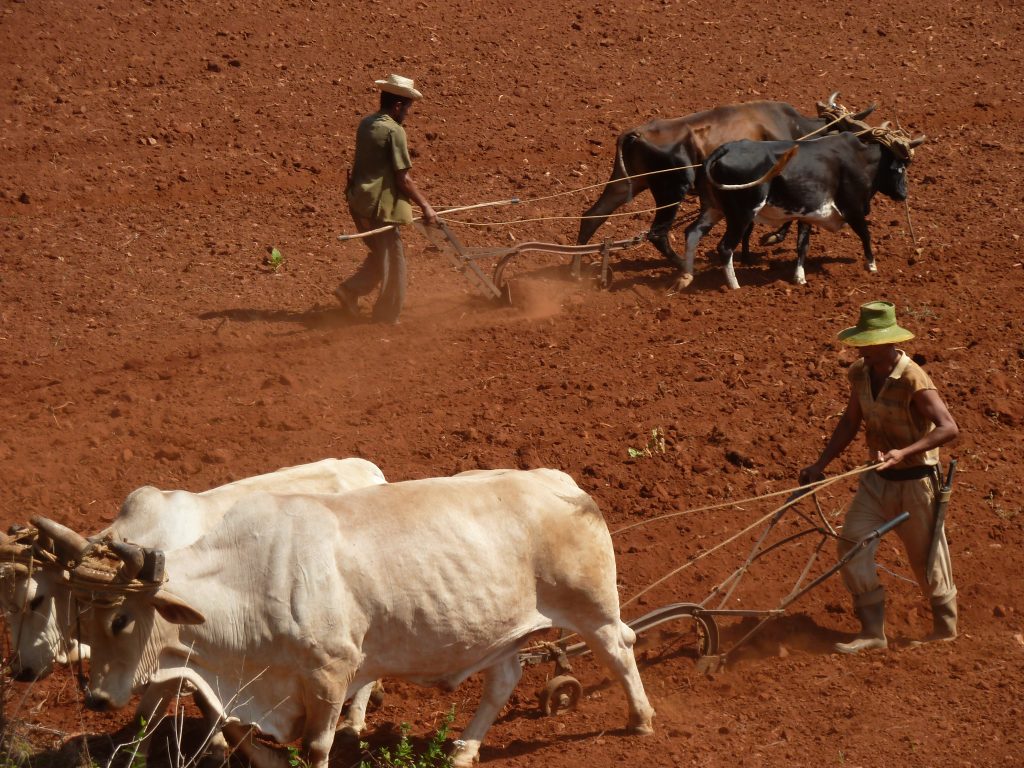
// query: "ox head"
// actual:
[[35, 599], [897, 152], [120, 587]]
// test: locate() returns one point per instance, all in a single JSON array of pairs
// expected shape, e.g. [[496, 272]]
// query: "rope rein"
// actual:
[[796, 494], [816, 486]]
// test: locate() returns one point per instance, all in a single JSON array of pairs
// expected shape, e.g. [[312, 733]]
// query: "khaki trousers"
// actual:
[[876, 502], [383, 266]]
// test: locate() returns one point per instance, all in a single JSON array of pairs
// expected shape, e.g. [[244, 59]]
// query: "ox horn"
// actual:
[[832, 98], [68, 546], [918, 141], [864, 112], [885, 126], [131, 555]]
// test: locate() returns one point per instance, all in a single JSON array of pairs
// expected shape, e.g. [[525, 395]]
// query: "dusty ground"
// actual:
[[152, 153]]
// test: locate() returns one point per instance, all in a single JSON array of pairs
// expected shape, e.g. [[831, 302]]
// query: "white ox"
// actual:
[[38, 607], [295, 602]]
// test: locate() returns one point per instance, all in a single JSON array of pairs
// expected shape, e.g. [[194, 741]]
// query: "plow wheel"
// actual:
[[602, 276], [560, 694], [707, 635]]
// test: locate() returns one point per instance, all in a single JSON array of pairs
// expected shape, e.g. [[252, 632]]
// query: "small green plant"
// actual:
[[15, 749], [920, 312], [403, 755], [295, 760], [275, 260], [655, 444], [138, 756]]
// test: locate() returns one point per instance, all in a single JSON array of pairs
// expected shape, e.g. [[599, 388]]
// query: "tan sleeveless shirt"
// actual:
[[890, 420]]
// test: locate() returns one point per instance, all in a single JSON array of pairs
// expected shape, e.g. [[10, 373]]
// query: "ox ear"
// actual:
[[175, 610]]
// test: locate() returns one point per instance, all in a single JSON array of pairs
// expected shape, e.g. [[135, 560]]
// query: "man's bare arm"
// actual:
[[842, 436], [930, 405], [409, 188]]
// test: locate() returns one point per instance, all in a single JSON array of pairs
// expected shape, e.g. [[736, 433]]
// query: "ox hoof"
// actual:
[[465, 755], [873, 268], [348, 731], [645, 729], [681, 283]]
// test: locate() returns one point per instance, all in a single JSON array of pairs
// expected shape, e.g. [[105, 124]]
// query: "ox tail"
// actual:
[[774, 171], [620, 163]]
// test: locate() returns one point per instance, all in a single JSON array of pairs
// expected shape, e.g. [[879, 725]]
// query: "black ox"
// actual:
[[828, 181], [666, 156]]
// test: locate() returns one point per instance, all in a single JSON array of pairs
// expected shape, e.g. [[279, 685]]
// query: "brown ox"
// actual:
[[666, 156]]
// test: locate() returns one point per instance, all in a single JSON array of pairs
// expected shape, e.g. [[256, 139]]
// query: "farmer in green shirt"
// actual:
[[379, 191]]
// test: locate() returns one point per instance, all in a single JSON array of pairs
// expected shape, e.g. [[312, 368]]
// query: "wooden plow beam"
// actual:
[[496, 287]]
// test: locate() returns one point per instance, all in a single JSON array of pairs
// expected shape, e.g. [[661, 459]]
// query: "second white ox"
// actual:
[[295, 602], [39, 608]]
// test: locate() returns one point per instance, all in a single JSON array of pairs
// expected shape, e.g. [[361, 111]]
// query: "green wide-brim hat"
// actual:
[[876, 325]]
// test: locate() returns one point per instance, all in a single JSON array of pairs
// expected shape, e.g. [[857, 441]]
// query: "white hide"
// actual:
[[40, 612], [308, 598]]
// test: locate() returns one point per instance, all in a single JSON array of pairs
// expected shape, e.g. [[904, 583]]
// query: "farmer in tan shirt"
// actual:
[[379, 192], [905, 422]]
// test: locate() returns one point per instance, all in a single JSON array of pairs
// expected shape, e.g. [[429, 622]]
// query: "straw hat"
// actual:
[[400, 86], [876, 325]]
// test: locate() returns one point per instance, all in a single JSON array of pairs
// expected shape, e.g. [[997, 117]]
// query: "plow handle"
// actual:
[[898, 520], [949, 476]]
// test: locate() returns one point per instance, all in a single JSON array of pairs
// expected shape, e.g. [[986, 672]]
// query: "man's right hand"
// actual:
[[429, 215], [811, 474]]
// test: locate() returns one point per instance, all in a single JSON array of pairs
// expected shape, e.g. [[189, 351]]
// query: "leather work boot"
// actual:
[[872, 630], [944, 618]]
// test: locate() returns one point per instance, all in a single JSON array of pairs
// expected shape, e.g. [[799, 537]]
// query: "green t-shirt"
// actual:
[[381, 151]]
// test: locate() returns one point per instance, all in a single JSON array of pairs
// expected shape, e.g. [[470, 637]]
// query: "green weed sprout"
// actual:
[[403, 755], [655, 444], [275, 260]]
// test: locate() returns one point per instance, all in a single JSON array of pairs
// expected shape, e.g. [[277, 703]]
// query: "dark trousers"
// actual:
[[383, 266]]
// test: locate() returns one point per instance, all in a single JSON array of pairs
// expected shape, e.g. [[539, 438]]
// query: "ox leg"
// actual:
[[499, 682], [355, 718], [727, 246], [708, 217], [612, 645], [617, 192], [668, 190], [658, 233], [321, 719], [860, 226], [803, 240], [745, 257], [776, 237]]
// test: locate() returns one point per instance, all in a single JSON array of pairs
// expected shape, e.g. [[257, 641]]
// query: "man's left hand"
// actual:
[[890, 458]]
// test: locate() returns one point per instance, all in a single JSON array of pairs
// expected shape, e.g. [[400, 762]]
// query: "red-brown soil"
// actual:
[[151, 153]]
